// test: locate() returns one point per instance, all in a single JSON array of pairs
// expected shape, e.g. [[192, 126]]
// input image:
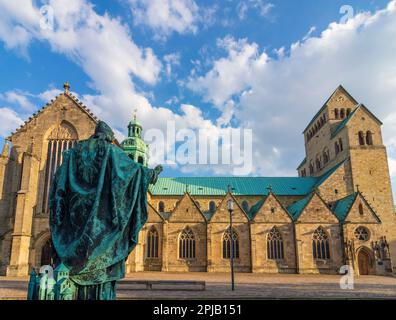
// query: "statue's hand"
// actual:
[[156, 172], [158, 169]]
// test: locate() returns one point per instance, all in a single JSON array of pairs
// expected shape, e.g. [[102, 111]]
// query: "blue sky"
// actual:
[[263, 65]]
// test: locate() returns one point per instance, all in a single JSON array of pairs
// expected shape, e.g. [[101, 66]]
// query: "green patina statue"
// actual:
[[98, 204]]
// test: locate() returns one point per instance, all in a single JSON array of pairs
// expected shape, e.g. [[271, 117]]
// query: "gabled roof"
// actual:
[[340, 87], [341, 207], [155, 210], [62, 268], [344, 122], [298, 207], [235, 202], [255, 208], [218, 186], [186, 194], [67, 94]]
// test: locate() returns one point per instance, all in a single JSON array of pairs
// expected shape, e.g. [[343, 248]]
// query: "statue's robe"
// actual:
[[98, 204]]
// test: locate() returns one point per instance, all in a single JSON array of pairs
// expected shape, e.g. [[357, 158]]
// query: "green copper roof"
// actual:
[[297, 208], [342, 206], [218, 186], [255, 208]]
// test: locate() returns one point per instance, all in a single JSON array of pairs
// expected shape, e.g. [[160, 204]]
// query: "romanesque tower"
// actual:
[[134, 145], [346, 133]]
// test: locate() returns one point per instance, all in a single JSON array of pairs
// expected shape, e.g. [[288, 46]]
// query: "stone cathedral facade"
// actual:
[[338, 211]]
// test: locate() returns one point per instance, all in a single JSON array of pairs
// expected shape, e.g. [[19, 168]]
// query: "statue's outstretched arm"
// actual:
[[155, 173]]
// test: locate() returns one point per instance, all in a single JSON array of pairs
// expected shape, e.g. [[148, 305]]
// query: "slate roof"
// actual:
[[342, 206]]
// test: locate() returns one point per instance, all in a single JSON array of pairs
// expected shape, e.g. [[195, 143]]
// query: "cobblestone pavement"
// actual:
[[248, 286]]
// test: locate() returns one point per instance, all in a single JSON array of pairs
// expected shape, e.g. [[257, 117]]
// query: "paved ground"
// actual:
[[248, 286]]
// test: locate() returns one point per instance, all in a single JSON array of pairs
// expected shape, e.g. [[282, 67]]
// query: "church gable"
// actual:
[[271, 211], [222, 214], [340, 98], [187, 210], [361, 212], [152, 215], [317, 211]]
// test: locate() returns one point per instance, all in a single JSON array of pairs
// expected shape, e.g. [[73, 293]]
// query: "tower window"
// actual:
[[336, 114], [361, 138], [337, 148], [341, 144], [342, 113], [369, 138]]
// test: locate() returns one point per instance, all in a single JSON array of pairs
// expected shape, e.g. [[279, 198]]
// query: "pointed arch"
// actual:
[[161, 207], [275, 245], [187, 244], [212, 206], [152, 243], [320, 244], [227, 241]]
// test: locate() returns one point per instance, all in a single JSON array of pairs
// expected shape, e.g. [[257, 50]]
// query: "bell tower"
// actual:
[[134, 145]]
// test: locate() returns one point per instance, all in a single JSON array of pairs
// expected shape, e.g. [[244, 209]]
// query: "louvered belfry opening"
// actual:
[[60, 139]]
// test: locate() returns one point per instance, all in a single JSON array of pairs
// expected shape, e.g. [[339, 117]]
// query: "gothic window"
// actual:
[[361, 138], [362, 234], [60, 139], [212, 206], [369, 138], [187, 244], [275, 245], [245, 206], [161, 206], [152, 243], [320, 245], [336, 115], [227, 244], [361, 211]]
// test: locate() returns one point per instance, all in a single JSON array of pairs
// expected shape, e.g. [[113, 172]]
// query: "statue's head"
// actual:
[[103, 131]]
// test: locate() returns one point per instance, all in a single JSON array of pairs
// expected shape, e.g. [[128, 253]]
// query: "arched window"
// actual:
[[46, 251], [361, 138], [336, 114], [362, 234], [320, 245], [311, 168], [152, 243], [337, 148], [326, 156], [342, 113], [60, 139], [341, 144], [161, 206], [275, 245], [227, 244], [318, 163], [212, 206], [369, 138], [361, 210], [187, 244], [245, 206]]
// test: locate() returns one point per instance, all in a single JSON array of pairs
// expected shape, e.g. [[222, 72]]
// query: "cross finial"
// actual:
[[186, 188], [269, 188], [357, 188], [229, 188], [134, 114], [66, 86]]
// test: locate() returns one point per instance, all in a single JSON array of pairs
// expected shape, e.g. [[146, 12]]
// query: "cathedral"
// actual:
[[338, 211]]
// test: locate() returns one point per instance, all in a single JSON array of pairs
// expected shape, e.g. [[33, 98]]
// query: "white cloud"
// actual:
[[172, 59], [19, 98], [9, 120], [166, 16], [262, 7], [277, 97]]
